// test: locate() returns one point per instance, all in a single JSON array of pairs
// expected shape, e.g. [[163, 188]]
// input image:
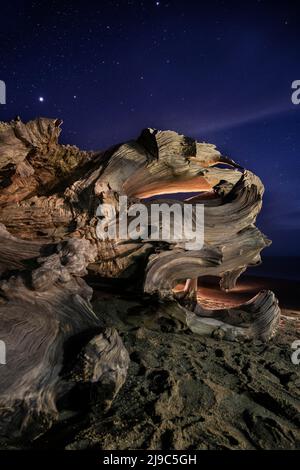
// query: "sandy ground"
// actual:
[[189, 392]]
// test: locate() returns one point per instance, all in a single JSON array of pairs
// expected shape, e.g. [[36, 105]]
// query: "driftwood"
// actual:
[[45, 314], [49, 195]]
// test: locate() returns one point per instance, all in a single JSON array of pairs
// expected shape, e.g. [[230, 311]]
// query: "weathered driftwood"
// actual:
[[49, 194], [46, 317]]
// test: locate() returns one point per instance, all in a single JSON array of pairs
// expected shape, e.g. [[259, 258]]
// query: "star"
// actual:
[[41, 99]]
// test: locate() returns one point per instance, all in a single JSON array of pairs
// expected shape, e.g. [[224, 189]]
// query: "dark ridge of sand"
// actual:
[[189, 392]]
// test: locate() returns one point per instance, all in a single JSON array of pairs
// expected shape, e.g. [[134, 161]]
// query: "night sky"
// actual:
[[218, 71]]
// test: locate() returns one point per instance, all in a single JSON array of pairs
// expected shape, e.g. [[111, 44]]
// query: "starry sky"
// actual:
[[218, 71]]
